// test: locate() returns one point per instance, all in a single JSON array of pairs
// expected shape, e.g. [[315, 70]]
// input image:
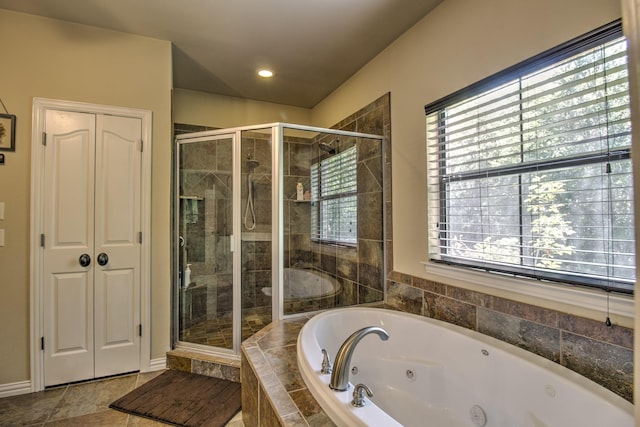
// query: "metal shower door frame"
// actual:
[[277, 222]]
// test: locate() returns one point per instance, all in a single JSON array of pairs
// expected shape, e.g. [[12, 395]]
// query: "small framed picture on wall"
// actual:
[[7, 132]]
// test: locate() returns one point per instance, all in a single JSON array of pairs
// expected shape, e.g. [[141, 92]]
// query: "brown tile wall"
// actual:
[[360, 270], [588, 347], [374, 194]]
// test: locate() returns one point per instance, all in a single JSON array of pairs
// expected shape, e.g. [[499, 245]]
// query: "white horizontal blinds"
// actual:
[[334, 187], [534, 176]]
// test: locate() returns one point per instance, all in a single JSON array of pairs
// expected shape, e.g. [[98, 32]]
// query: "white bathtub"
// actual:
[[302, 284], [431, 373]]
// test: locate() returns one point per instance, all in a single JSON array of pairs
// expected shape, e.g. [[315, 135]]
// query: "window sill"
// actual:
[[575, 300]]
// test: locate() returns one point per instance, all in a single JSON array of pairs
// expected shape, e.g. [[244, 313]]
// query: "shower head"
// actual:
[[252, 164], [327, 148]]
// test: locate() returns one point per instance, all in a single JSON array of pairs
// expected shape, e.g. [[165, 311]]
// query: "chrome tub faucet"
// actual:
[[342, 363]]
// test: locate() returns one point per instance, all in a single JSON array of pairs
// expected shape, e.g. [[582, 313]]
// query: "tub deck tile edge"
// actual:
[[271, 390]]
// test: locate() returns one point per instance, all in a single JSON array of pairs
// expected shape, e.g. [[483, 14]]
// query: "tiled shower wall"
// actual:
[[362, 273], [603, 354], [360, 270]]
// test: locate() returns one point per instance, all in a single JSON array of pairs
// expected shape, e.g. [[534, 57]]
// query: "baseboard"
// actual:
[[14, 389], [24, 387], [158, 364]]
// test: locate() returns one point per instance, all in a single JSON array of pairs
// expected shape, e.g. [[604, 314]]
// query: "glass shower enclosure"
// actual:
[[273, 221]]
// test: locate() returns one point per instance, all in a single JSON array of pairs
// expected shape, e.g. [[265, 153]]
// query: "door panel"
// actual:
[[118, 322], [68, 227], [117, 340], [72, 188], [71, 298], [70, 344], [117, 216], [118, 159]]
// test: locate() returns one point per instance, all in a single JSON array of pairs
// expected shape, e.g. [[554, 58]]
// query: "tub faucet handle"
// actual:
[[358, 395], [326, 363]]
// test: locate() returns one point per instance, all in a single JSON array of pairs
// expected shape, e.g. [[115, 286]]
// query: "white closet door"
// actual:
[[68, 229], [117, 224], [92, 211]]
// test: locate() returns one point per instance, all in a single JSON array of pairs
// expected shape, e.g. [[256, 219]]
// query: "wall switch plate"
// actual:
[[1, 237], [1, 210]]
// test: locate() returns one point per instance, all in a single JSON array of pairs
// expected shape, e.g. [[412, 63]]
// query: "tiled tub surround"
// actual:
[[273, 392], [600, 353]]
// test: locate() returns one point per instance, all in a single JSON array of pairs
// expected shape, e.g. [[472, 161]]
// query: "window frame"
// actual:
[[594, 38], [318, 198]]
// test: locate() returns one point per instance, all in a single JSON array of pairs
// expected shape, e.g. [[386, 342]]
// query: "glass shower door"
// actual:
[[256, 191], [204, 212]]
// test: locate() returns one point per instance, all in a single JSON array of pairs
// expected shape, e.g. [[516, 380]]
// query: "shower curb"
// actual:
[[204, 364]]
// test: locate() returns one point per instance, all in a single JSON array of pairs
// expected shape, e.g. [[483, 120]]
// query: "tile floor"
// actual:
[[85, 404], [218, 332]]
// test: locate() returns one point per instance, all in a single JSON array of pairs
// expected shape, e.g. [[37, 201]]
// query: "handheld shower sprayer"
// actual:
[[252, 164]]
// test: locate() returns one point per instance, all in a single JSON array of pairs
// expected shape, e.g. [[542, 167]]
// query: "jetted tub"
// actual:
[[431, 373], [302, 284]]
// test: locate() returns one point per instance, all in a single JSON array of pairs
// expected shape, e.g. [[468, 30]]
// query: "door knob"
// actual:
[[84, 260], [103, 258]]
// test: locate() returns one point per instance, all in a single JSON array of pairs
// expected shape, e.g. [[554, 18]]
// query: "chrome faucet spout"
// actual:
[[342, 362]]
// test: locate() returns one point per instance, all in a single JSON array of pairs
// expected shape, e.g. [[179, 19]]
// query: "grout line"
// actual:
[[64, 393]]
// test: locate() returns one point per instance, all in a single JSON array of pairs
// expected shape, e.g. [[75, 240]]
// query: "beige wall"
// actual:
[[457, 44], [206, 109], [54, 59]]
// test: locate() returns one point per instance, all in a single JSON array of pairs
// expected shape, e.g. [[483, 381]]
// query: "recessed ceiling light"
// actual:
[[265, 73]]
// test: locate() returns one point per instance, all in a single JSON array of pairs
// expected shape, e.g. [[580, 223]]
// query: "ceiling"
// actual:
[[218, 45]]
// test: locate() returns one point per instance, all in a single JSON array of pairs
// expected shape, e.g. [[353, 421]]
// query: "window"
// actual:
[[529, 171], [334, 213]]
